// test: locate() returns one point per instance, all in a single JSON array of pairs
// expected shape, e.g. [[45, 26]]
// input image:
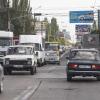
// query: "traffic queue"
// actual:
[[31, 52]]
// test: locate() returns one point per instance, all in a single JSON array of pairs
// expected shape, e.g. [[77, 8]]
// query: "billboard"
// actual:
[[81, 16], [82, 29]]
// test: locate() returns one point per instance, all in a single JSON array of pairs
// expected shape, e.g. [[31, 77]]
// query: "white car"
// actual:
[[20, 57], [1, 79]]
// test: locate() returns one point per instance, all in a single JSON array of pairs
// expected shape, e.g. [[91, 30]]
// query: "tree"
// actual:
[[3, 14], [21, 16], [95, 32], [52, 30], [54, 27]]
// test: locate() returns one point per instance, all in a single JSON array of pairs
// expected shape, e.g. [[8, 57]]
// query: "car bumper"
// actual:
[[18, 67], [52, 59], [83, 73]]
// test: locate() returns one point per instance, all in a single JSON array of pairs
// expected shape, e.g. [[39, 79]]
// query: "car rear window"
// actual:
[[88, 55]]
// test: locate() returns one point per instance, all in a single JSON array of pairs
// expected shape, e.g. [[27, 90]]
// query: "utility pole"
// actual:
[[8, 15]]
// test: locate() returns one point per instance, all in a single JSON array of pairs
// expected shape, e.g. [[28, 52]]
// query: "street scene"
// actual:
[[49, 83], [49, 50]]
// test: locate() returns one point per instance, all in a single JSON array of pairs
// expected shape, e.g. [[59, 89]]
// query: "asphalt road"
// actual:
[[49, 84]]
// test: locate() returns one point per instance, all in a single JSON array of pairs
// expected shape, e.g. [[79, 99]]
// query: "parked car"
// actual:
[[83, 62], [20, 57], [1, 79]]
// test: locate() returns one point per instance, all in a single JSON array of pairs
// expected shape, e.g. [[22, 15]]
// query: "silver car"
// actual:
[[1, 79]]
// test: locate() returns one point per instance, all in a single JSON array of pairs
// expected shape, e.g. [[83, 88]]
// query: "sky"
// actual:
[[60, 10]]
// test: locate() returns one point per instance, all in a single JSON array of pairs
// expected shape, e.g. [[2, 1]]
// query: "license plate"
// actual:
[[84, 66], [18, 66]]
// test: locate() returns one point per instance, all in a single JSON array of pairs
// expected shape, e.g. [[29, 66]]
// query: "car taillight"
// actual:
[[72, 65], [95, 66]]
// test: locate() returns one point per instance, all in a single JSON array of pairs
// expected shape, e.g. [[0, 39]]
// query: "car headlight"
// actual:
[[29, 62]]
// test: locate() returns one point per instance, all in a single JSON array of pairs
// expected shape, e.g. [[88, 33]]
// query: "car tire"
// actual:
[[9, 71], [1, 87], [32, 71], [98, 78], [5, 71], [69, 77], [58, 63], [39, 65], [35, 71], [35, 68], [44, 62]]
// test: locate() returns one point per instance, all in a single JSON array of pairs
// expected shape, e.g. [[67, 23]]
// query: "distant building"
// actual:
[[66, 34]]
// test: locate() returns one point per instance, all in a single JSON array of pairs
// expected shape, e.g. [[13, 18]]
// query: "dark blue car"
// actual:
[[83, 62]]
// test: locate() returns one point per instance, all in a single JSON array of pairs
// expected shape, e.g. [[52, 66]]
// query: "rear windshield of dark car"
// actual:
[[84, 55]]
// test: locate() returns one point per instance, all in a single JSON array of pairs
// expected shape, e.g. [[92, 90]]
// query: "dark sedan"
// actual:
[[83, 62]]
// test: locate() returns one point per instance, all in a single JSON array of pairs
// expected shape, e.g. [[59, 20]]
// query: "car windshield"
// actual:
[[19, 50], [53, 47], [84, 55], [5, 41]]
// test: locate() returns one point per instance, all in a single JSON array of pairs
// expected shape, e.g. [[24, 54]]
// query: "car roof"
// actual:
[[93, 49], [22, 46]]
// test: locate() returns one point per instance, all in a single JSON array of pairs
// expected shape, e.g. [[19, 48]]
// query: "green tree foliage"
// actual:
[[95, 32], [21, 17], [20, 14], [52, 29], [3, 14]]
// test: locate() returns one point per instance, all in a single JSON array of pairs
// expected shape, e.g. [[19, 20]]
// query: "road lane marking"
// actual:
[[28, 92], [22, 93]]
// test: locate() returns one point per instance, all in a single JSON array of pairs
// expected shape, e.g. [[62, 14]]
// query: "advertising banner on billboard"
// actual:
[[81, 16], [82, 29]]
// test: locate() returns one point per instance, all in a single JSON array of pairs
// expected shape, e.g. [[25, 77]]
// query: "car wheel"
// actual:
[[39, 65], [32, 71], [98, 78], [1, 87], [35, 68], [9, 71], [44, 62], [69, 78], [5, 71], [58, 63]]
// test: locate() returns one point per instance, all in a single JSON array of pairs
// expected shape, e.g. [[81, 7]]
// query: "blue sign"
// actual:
[[81, 16]]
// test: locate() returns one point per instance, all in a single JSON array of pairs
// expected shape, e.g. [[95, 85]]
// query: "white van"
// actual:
[[39, 43], [6, 40]]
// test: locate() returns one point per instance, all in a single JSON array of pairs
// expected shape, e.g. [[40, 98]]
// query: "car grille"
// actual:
[[16, 62]]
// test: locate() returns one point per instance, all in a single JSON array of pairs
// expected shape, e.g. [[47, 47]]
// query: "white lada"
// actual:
[[20, 57]]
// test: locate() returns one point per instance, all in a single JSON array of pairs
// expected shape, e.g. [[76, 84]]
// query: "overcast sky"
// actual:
[[63, 6]]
